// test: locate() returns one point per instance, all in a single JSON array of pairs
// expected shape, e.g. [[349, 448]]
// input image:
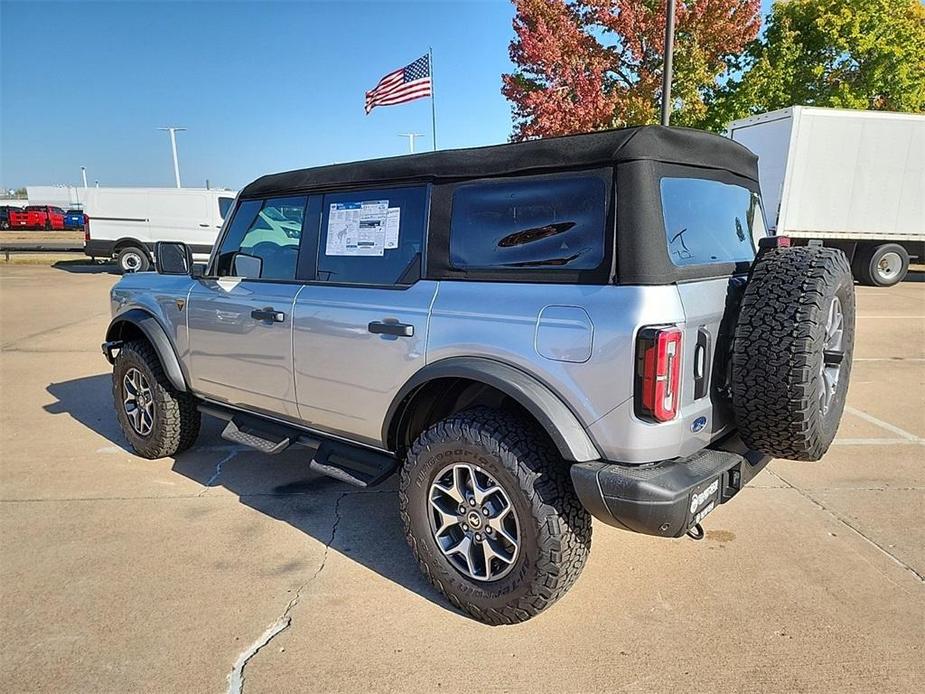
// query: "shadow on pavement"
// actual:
[[86, 266], [363, 525]]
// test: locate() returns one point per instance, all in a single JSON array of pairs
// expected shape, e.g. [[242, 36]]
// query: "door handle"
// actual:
[[268, 314], [204, 225], [399, 329]]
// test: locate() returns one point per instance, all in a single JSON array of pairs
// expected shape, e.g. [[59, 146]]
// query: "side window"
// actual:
[[708, 221], [263, 239], [224, 204], [372, 236], [538, 223]]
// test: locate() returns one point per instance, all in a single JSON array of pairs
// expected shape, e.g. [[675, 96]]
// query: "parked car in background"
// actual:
[[853, 179], [5, 215], [125, 223], [37, 217], [75, 219]]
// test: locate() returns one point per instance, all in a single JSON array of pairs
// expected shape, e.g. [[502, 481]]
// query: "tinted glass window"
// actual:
[[543, 223], [372, 236], [709, 221], [268, 230], [224, 204]]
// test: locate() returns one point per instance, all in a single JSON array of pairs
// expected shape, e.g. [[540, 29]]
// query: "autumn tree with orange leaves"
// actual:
[[587, 65]]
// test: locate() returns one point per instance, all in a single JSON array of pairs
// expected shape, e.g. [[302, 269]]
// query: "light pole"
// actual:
[[667, 68], [410, 137], [173, 130], [83, 175]]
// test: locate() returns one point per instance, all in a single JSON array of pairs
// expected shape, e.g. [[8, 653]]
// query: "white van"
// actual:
[[125, 223]]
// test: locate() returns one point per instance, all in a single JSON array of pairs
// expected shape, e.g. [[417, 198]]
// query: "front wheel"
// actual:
[[491, 516], [156, 418]]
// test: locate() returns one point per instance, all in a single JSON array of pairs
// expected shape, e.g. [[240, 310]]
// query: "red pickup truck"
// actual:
[[37, 217]]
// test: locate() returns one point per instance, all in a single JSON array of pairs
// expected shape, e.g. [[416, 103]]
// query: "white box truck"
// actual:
[[854, 179], [125, 223]]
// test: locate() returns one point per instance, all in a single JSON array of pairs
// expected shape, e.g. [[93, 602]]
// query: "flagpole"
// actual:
[[433, 105]]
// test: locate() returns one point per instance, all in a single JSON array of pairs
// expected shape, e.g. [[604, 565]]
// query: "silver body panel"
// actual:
[[345, 376], [321, 366]]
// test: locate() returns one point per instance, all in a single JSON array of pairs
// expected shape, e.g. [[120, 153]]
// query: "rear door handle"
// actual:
[[203, 225], [399, 329], [268, 314]]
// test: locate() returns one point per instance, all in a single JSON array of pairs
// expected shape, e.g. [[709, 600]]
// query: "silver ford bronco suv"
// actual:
[[530, 334]]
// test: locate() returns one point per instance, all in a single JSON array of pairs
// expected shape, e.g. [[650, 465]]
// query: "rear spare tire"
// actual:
[[791, 358]]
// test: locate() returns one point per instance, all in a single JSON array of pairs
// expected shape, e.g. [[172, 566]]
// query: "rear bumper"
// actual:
[[670, 497], [96, 248]]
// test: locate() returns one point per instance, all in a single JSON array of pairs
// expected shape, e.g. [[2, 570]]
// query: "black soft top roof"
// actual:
[[651, 142]]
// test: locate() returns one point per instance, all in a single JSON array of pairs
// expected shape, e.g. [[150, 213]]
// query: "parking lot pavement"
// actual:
[[119, 574]]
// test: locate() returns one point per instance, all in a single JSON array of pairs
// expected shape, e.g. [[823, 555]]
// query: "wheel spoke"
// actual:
[[447, 520], [497, 524]]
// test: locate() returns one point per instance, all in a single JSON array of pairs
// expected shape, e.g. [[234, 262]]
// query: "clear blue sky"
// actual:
[[262, 86]]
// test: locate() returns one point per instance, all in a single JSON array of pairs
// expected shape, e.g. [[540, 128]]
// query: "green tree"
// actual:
[[863, 54]]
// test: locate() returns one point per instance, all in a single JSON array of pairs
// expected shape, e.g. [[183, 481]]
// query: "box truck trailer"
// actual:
[[853, 179]]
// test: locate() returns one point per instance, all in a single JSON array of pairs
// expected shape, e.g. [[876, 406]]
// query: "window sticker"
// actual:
[[357, 228], [392, 225]]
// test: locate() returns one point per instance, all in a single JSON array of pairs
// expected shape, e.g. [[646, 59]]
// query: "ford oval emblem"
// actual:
[[698, 424]]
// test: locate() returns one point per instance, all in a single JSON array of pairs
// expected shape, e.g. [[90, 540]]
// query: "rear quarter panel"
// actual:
[[502, 321]]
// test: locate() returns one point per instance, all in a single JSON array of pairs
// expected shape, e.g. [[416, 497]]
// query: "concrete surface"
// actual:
[[120, 575]]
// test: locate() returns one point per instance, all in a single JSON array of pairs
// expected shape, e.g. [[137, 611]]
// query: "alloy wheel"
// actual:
[[138, 401], [833, 354], [474, 522]]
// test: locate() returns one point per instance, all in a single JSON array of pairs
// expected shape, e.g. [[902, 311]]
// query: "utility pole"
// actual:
[[410, 137], [173, 130], [667, 68], [83, 174]]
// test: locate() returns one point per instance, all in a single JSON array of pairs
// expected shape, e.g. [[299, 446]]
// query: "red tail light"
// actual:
[[658, 368], [86, 229]]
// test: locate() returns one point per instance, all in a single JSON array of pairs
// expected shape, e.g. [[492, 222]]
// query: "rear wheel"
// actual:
[[133, 259], [882, 266], [491, 515], [792, 353]]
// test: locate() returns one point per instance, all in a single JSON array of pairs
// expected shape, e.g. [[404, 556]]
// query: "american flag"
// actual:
[[404, 84]]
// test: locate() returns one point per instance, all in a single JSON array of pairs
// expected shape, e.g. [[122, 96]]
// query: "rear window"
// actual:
[[224, 204], [709, 221], [531, 223]]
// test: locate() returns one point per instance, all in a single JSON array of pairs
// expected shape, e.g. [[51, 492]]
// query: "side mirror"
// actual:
[[172, 258], [246, 266]]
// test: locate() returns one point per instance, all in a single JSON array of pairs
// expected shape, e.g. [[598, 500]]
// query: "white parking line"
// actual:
[[884, 425], [877, 442]]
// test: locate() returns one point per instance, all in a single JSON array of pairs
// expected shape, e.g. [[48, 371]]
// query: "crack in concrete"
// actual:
[[848, 525], [236, 676], [218, 470]]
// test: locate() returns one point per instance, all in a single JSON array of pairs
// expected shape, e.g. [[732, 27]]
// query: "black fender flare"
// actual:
[[547, 408], [156, 335]]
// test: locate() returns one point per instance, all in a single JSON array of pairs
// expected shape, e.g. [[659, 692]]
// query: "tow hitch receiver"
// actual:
[[668, 499]]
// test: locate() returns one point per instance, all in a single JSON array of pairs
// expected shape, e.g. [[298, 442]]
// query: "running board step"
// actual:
[[262, 436], [356, 466]]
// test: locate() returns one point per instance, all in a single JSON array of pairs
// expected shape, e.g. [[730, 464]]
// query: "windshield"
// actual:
[[708, 221]]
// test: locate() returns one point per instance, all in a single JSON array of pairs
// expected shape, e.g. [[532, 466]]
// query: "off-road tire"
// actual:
[[867, 261], [143, 259], [555, 527], [176, 417], [778, 351]]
